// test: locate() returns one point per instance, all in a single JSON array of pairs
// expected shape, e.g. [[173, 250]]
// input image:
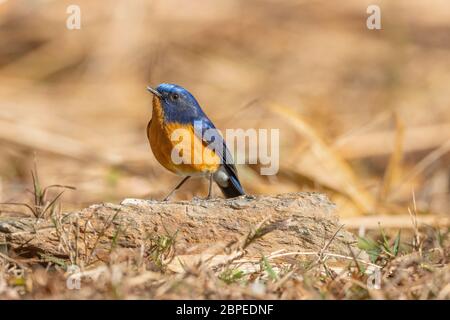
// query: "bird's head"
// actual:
[[177, 103]]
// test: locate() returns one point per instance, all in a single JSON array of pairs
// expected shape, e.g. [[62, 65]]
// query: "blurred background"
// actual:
[[364, 115]]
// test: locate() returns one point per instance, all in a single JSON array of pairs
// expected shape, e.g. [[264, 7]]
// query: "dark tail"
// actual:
[[233, 187]]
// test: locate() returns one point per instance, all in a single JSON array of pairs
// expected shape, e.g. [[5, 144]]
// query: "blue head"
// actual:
[[178, 104]]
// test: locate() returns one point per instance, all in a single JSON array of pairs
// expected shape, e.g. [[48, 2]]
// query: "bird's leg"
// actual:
[[209, 196], [176, 188]]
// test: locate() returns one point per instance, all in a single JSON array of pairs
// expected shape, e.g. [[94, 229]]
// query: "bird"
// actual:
[[174, 108]]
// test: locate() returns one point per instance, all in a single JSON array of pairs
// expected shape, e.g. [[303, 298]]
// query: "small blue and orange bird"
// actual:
[[176, 108]]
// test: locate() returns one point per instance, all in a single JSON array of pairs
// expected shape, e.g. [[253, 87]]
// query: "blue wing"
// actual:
[[225, 155]]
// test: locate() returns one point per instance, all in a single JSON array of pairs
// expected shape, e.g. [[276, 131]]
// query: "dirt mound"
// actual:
[[292, 222]]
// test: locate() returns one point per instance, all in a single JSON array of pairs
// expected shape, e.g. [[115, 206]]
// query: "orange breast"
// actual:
[[173, 143]]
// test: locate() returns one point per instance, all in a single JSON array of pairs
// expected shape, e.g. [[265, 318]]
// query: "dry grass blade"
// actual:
[[354, 259], [327, 245], [32, 210], [323, 164], [41, 205], [394, 167], [324, 254], [11, 260], [39, 139], [423, 165], [106, 226], [383, 143], [395, 222], [321, 257], [255, 233], [413, 215]]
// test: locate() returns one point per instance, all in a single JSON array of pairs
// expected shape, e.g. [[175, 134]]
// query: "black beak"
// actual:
[[153, 91]]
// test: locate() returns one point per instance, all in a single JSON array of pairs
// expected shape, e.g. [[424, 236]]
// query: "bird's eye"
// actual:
[[175, 96]]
